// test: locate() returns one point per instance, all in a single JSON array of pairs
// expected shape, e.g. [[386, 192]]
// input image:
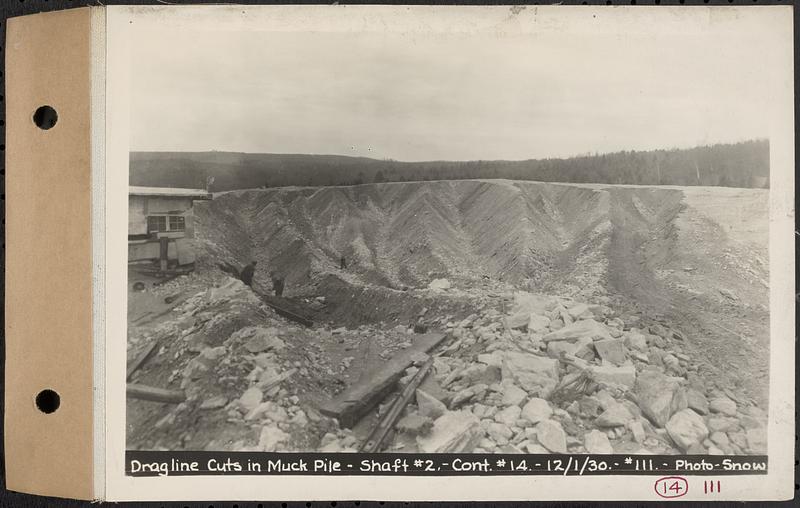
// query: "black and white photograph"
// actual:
[[506, 240]]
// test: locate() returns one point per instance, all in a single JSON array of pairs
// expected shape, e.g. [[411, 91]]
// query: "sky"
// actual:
[[415, 96]]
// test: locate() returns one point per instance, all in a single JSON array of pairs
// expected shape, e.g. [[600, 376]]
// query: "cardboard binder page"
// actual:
[[449, 253]]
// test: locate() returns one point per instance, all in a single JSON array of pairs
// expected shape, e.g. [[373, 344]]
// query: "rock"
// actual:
[[555, 348], [533, 373], [687, 428], [578, 310], [453, 432], [491, 359], [720, 438], [536, 449], [508, 416], [536, 410], [615, 416], [251, 398], [415, 424], [429, 406], [659, 396], [611, 350], [263, 339], [722, 424], [439, 284], [213, 353], [518, 321], [513, 395], [637, 429], [636, 340], [748, 422], [597, 442], [538, 323], [713, 450], [499, 433], [612, 375], [757, 441], [723, 405], [551, 436], [585, 328], [697, 401], [214, 402], [270, 438]]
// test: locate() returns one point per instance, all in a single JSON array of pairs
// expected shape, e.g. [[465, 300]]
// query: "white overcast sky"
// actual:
[[415, 96]]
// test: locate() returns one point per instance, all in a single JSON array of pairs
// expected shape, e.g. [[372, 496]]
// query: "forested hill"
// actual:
[[744, 164]]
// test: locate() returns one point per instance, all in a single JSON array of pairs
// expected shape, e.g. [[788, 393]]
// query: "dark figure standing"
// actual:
[[277, 283], [343, 263], [247, 273]]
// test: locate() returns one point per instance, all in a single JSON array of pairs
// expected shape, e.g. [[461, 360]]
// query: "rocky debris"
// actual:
[[508, 416], [585, 328], [697, 401], [597, 442], [513, 395], [415, 424], [429, 406], [616, 415], [453, 432], [612, 375], [551, 435], [251, 398], [536, 410], [439, 284], [611, 350], [217, 402], [687, 428], [659, 396], [535, 374], [271, 438], [723, 405]]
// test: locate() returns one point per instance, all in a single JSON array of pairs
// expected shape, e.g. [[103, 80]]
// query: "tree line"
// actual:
[[743, 164]]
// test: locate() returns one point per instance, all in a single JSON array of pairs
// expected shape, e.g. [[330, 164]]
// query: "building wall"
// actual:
[[139, 207]]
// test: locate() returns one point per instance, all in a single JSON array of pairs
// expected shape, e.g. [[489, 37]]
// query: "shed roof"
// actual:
[[169, 192]]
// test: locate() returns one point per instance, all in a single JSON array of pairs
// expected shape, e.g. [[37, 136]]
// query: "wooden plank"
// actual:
[[285, 308], [352, 404], [141, 359], [152, 394]]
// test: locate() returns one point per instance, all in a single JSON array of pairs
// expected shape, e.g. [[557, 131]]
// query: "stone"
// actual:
[[538, 323], [518, 321], [251, 398], [713, 450], [611, 350], [555, 348], [536, 410], [513, 395], [719, 438], [578, 310], [453, 432], [597, 442], [637, 429], [550, 435], [613, 375], [508, 416], [756, 441], [584, 328], [263, 340], [722, 423], [214, 402], [532, 373], [697, 401], [534, 448], [748, 422], [659, 396], [687, 428], [428, 405], [414, 424], [499, 433], [615, 416], [636, 340], [439, 284], [270, 438], [723, 405]]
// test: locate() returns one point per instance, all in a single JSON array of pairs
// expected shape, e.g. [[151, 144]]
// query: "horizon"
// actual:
[[580, 155]]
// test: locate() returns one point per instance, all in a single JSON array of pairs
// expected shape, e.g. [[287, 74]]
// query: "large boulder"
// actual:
[[430, 406], [453, 432], [659, 396], [584, 328], [687, 428], [723, 405], [617, 415], [534, 374], [697, 401], [513, 395], [538, 323]]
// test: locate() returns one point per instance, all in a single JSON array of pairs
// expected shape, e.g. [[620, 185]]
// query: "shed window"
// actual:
[[165, 223]]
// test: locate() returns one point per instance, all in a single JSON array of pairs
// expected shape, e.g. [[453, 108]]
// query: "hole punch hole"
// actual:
[[48, 401], [45, 117]]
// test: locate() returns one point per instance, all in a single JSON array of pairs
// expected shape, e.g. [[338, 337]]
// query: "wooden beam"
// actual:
[[352, 404], [141, 359], [152, 394]]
